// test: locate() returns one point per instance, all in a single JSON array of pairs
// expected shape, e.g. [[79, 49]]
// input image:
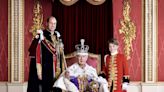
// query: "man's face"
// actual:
[[82, 59], [113, 48], [52, 24]]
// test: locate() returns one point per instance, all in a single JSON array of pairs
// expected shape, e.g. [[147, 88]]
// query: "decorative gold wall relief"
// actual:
[[38, 18], [128, 29]]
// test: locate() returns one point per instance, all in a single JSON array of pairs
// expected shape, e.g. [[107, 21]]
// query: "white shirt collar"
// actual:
[[114, 53]]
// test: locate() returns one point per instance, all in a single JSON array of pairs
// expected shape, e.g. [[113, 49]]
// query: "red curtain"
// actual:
[[4, 40], [82, 20]]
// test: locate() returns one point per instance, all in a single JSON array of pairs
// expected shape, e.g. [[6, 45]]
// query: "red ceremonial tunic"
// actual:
[[116, 67]]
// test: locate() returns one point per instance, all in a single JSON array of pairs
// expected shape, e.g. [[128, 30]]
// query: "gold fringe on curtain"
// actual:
[[68, 2], [96, 2], [71, 2]]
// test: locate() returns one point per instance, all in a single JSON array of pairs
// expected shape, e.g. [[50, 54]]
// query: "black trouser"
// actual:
[[111, 89], [55, 89]]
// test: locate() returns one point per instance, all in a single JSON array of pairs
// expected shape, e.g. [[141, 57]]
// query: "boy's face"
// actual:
[[113, 48]]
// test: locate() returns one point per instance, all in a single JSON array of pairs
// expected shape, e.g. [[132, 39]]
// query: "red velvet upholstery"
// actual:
[[94, 60]]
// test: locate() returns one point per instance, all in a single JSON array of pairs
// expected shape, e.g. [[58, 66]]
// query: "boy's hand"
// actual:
[[124, 86]]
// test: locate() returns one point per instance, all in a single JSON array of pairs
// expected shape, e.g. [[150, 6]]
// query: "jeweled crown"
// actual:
[[81, 48]]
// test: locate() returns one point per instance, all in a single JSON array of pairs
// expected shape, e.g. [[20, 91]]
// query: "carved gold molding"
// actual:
[[128, 29], [38, 17], [9, 41]]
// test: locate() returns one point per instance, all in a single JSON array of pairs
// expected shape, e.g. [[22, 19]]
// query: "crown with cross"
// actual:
[[81, 48]]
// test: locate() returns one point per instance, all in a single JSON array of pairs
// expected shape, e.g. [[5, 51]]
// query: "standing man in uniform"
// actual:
[[44, 58]]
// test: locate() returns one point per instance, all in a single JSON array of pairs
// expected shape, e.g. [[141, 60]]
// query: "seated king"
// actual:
[[81, 77]]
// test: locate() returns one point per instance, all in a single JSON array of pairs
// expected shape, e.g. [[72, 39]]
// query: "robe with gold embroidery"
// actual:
[[43, 62]]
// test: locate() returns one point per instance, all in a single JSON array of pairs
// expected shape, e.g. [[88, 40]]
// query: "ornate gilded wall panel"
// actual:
[[128, 29]]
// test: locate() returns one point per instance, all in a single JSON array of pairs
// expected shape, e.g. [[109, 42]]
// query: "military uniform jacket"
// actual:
[[116, 71]]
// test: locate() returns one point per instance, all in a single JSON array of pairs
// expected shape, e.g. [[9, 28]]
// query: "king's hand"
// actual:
[[67, 75]]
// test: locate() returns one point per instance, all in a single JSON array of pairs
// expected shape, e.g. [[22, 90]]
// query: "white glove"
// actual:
[[41, 34], [58, 34], [41, 37], [39, 31], [124, 86]]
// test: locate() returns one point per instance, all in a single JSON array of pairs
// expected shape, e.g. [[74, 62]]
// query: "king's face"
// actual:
[[82, 59]]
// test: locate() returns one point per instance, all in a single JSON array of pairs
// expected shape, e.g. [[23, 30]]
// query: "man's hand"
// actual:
[[40, 76], [39, 71], [39, 34]]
